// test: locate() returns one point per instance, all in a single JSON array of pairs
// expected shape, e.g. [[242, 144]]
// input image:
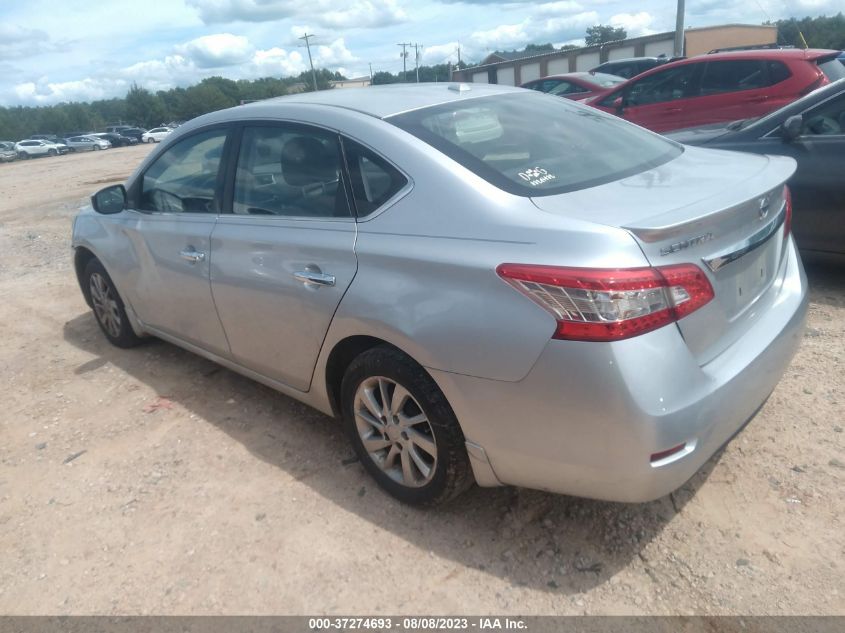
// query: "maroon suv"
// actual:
[[720, 87]]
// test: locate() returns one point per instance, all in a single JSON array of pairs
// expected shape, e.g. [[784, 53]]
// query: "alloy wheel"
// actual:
[[105, 305], [395, 431]]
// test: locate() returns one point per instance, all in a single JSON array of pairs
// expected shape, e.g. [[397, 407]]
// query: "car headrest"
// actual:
[[306, 161]]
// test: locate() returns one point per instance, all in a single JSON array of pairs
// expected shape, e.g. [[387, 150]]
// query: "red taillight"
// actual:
[[787, 220], [601, 304]]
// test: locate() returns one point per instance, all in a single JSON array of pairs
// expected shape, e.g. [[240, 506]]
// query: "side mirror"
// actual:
[[619, 105], [109, 200], [791, 128]]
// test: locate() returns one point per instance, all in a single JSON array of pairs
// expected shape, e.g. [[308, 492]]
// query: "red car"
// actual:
[[720, 87], [576, 86]]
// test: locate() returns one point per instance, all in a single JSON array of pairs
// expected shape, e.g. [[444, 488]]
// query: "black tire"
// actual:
[[23, 156], [96, 148], [122, 335], [452, 474], [52, 152], [151, 140]]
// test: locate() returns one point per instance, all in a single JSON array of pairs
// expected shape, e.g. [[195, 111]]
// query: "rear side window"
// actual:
[[732, 76], [374, 180], [531, 144], [669, 84], [778, 72], [290, 170], [566, 88]]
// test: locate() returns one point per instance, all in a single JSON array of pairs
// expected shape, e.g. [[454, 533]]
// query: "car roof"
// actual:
[[387, 100], [583, 74], [628, 60], [764, 53]]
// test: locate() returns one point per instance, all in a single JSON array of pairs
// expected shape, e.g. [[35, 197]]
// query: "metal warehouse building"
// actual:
[[513, 70]]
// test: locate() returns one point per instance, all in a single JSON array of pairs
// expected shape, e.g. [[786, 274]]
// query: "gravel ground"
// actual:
[[153, 481]]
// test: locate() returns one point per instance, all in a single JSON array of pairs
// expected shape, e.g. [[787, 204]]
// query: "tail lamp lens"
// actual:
[[595, 304]]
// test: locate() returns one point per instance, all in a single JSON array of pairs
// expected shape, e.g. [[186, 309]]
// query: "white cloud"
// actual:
[[532, 30], [326, 13], [220, 49], [634, 24]]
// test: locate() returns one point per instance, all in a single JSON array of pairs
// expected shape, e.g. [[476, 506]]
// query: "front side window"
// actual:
[[184, 178], [290, 171], [669, 84], [733, 76], [530, 145]]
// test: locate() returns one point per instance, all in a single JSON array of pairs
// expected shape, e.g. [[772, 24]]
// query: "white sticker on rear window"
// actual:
[[536, 176]]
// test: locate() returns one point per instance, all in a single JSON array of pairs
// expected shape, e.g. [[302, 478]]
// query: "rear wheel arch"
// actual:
[[343, 353]]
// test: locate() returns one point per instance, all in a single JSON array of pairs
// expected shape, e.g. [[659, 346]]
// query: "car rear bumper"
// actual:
[[588, 417]]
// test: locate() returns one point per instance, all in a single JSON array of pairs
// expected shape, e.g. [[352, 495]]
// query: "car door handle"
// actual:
[[672, 110], [757, 99], [311, 277], [192, 256]]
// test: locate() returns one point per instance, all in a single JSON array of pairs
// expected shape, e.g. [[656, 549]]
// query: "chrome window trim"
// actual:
[[751, 243]]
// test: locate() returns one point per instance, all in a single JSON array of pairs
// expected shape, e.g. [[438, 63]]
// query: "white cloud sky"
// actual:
[[48, 53]]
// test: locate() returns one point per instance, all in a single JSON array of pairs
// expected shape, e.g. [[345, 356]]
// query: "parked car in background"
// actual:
[[134, 132], [44, 137], [812, 131], [117, 128], [116, 140], [155, 135], [631, 67], [86, 143], [7, 152], [720, 87], [575, 85], [473, 278], [29, 148]]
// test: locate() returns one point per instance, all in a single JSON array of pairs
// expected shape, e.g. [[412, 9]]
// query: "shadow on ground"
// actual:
[[530, 538]]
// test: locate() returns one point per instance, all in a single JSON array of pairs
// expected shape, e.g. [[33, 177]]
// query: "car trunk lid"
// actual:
[[722, 211]]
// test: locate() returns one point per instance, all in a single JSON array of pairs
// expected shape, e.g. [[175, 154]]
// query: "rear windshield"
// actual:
[[533, 144]]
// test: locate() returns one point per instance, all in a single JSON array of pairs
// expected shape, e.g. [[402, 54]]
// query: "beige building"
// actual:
[[511, 70]]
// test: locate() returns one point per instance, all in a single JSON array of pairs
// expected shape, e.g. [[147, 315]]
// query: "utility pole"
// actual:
[[679, 30], [310, 61], [459, 55], [404, 59], [417, 48], [371, 72]]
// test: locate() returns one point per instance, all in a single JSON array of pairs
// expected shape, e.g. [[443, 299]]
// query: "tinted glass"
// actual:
[[566, 88], [732, 76], [184, 178], [531, 145], [604, 80], [374, 180], [833, 70], [778, 72], [290, 171], [669, 84]]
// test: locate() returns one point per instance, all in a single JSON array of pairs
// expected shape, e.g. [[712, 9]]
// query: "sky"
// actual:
[[55, 51]]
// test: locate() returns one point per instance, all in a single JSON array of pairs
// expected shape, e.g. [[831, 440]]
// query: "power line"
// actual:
[[310, 61]]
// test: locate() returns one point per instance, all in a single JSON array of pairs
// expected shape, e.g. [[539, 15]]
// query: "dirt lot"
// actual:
[[152, 481]]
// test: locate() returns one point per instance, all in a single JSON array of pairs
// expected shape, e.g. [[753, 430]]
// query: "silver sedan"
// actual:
[[486, 284]]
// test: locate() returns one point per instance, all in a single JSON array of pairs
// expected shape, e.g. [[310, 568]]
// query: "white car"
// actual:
[[36, 147], [155, 135]]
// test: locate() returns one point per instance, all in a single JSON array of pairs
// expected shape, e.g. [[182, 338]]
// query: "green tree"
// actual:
[[143, 107], [203, 98], [602, 33], [819, 32]]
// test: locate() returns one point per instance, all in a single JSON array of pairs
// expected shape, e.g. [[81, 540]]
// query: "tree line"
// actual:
[[147, 109]]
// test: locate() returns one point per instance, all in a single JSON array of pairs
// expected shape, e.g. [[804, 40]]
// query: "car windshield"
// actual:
[[531, 144], [833, 69]]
